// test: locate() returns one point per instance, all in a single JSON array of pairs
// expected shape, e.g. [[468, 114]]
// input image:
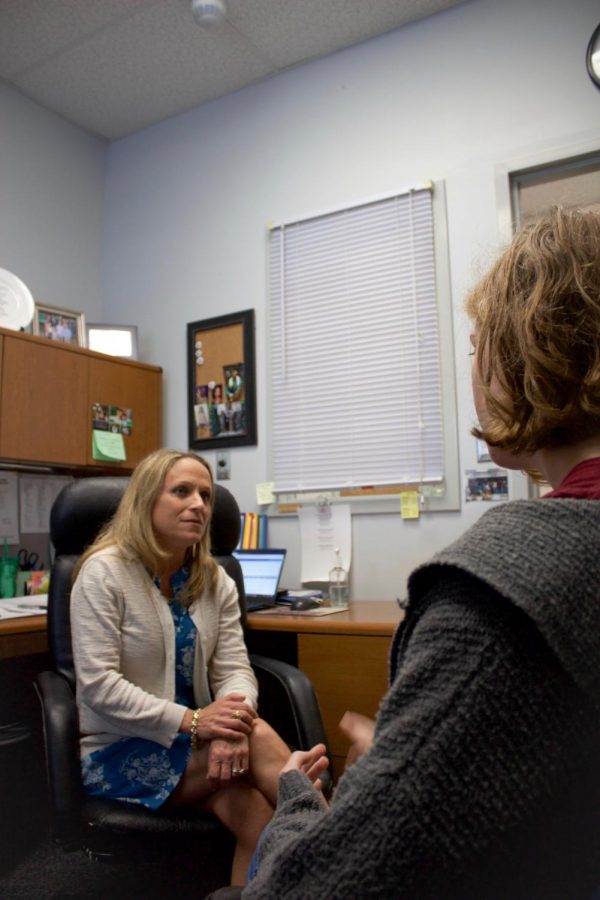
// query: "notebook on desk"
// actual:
[[261, 570]]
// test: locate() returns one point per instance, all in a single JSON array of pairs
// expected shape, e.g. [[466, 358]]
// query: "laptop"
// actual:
[[262, 571]]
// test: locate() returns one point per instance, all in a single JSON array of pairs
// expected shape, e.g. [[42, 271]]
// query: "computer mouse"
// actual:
[[304, 603]]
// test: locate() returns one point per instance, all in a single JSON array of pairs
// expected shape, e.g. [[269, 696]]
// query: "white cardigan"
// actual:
[[124, 652]]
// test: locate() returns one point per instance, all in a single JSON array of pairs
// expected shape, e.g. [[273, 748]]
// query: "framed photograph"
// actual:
[[116, 340], [221, 382], [489, 485], [59, 325]]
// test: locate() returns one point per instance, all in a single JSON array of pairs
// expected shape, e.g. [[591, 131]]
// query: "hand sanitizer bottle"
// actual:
[[338, 583]]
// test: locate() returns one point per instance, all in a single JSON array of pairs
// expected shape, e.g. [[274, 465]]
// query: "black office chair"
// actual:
[[109, 829]]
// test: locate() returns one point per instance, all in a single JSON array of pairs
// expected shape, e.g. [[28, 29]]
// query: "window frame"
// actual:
[[547, 173], [433, 497]]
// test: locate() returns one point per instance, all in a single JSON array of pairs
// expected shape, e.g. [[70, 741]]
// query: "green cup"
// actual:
[[9, 566]]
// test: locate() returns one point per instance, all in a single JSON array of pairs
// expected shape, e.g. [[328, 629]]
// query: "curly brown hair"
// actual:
[[537, 323]]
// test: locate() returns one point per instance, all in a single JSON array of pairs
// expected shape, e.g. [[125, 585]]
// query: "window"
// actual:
[[573, 182], [362, 399]]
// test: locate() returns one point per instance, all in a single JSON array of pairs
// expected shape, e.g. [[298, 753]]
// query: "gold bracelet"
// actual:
[[194, 728]]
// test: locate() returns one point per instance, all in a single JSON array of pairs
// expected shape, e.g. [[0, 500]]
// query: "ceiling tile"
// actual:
[[152, 67], [32, 31], [115, 66], [292, 31]]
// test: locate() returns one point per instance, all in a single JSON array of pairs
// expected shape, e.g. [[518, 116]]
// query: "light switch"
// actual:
[[223, 466]]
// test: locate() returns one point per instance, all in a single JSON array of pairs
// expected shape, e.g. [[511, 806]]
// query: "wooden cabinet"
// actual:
[[349, 672], [46, 394], [42, 403], [133, 387]]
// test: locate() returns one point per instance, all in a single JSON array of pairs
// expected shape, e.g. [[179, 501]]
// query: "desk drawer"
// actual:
[[23, 644], [348, 672]]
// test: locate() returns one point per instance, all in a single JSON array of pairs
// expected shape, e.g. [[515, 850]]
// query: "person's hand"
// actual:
[[227, 760], [359, 730], [312, 762], [228, 718]]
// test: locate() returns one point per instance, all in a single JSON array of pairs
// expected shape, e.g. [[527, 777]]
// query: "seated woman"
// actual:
[[481, 779], [156, 635]]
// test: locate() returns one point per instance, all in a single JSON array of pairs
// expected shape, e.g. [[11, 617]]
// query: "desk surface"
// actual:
[[22, 625], [378, 617]]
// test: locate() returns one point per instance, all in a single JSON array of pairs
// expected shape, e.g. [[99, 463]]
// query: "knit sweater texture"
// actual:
[[483, 782]]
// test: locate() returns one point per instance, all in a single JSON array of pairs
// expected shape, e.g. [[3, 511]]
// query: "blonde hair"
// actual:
[[537, 320], [130, 531]]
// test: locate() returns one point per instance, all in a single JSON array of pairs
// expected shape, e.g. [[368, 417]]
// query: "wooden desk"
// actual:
[[345, 655], [23, 637], [23, 655]]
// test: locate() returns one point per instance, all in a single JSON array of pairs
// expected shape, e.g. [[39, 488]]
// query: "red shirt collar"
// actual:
[[583, 481]]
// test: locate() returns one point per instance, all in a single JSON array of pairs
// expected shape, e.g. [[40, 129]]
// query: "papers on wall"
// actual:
[[25, 503], [323, 530], [9, 509], [409, 505], [264, 493], [37, 493]]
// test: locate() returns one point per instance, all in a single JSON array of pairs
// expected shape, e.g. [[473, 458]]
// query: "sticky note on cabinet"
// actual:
[[409, 505], [108, 445]]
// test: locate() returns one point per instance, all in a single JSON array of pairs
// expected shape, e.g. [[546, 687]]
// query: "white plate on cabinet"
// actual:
[[16, 303]]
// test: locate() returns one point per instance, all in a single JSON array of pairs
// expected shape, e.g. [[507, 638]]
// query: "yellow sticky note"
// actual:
[[264, 493], [409, 504], [108, 445]]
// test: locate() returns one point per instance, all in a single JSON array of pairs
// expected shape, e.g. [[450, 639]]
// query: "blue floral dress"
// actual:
[[141, 771]]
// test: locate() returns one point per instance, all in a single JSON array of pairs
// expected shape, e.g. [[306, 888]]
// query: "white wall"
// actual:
[[52, 177], [463, 96]]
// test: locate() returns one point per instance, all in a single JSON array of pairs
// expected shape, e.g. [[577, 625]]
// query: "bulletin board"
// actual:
[[221, 382]]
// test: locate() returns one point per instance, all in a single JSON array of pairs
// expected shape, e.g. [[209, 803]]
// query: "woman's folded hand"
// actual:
[[229, 718], [227, 760]]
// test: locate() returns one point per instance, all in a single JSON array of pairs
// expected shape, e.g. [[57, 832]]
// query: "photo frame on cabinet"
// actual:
[[221, 382], [115, 340], [61, 325]]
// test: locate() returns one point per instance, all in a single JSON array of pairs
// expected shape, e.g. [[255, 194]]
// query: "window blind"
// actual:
[[356, 393]]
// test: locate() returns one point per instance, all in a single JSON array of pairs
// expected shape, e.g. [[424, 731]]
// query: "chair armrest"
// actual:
[[284, 688], [61, 743], [288, 702], [232, 892]]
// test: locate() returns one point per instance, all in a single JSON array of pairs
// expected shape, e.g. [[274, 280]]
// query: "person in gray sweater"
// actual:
[[480, 779]]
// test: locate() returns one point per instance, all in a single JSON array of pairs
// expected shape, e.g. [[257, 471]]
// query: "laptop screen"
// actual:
[[261, 570]]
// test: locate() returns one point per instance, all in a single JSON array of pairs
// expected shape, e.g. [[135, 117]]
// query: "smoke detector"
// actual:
[[209, 13]]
